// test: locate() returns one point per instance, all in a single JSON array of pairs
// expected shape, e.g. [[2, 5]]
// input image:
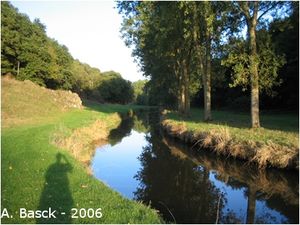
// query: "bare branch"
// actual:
[[266, 11]]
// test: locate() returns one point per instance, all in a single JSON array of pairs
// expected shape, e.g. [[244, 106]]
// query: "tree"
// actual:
[[60, 67], [257, 67], [27, 52], [161, 33], [173, 43], [86, 81], [140, 92], [113, 88], [207, 27], [10, 39]]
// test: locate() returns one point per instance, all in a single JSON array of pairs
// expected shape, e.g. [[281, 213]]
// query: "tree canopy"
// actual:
[[28, 53], [191, 53], [198, 52]]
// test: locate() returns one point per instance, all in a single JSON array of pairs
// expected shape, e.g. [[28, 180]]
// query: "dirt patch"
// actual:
[[221, 142]]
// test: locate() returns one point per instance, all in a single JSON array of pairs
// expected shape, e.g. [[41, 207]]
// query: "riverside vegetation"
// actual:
[[275, 145], [193, 53], [238, 55], [34, 177]]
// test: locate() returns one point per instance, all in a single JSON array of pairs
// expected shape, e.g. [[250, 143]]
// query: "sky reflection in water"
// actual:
[[148, 167], [116, 165]]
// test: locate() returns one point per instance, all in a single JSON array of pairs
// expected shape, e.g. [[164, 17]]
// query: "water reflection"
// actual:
[[133, 121], [259, 187], [175, 186], [192, 186], [123, 130]]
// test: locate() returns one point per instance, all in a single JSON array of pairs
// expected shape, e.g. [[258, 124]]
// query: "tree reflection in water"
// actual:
[[175, 186], [277, 188], [190, 186]]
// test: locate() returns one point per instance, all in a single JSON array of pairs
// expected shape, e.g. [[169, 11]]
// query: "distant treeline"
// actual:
[[27, 53]]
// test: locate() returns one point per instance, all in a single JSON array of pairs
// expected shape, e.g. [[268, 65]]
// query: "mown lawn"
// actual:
[[38, 175], [279, 128]]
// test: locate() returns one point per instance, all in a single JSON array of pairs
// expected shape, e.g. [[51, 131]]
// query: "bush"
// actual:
[[116, 90]]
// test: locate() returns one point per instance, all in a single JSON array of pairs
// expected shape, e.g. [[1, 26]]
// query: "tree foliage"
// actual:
[[189, 51], [28, 54], [196, 49], [140, 92], [268, 61], [113, 88]]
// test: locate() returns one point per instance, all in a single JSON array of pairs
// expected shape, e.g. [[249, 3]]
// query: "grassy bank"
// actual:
[[82, 141], [37, 175], [275, 144], [34, 177]]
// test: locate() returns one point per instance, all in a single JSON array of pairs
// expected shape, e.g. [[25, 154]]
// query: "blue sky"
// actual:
[[90, 30]]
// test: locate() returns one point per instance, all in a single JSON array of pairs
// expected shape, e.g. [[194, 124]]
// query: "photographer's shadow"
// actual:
[[56, 193]]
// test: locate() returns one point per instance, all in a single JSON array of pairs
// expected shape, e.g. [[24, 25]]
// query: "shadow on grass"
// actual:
[[274, 121], [56, 193]]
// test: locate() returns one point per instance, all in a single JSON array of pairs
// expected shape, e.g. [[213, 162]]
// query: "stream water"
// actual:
[[189, 185]]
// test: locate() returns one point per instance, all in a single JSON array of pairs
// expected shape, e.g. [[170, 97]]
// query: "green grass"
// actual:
[[35, 177], [24, 102], [113, 107], [280, 128]]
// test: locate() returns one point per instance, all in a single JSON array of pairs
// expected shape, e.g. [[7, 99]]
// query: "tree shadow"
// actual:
[[56, 193]]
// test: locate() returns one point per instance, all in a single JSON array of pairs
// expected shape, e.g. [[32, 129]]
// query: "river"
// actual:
[[188, 185]]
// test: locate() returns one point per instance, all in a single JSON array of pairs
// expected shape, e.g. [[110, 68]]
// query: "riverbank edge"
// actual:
[[83, 141], [124, 210], [219, 141]]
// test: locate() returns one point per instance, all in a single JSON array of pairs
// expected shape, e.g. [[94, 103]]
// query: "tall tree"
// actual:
[[253, 65], [253, 12], [208, 19], [162, 36], [206, 24]]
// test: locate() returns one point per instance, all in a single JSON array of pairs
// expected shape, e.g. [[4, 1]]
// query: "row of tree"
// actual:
[[28, 53], [185, 46]]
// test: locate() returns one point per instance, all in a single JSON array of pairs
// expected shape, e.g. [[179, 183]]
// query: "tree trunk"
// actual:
[[180, 95], [18, 70], [254, 75], [186, 88], [207, 79]]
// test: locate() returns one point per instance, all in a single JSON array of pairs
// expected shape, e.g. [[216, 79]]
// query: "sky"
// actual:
[[90, 30]]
